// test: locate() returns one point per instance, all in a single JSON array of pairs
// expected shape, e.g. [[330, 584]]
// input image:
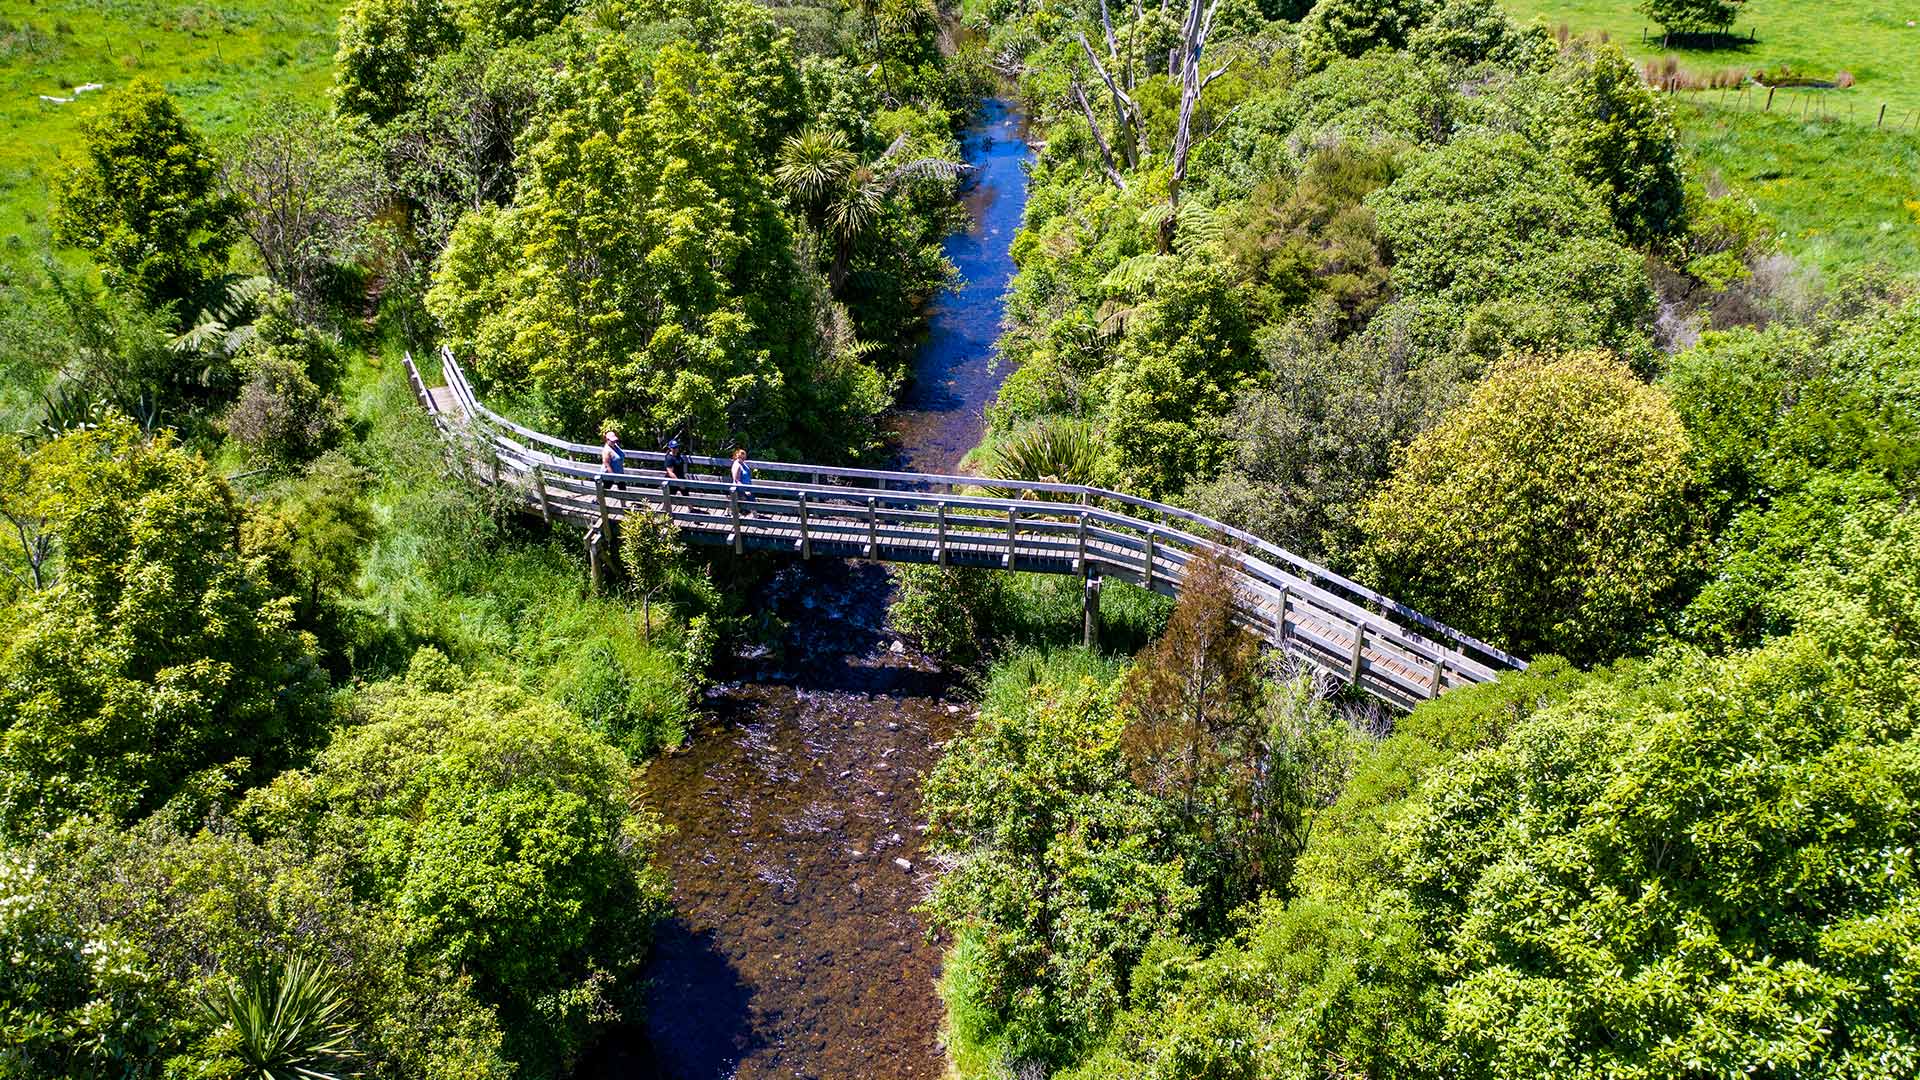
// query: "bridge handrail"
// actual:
[[1337, 593]]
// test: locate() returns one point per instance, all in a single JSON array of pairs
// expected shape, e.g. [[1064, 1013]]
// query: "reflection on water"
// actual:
[[941, 413], [796, 858]]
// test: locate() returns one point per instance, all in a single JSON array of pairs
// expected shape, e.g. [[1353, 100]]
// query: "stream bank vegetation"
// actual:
[[315, 757], [291, 709], [1443, 301]]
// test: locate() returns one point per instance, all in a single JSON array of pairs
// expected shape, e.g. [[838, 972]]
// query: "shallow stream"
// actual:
[[795, 857]]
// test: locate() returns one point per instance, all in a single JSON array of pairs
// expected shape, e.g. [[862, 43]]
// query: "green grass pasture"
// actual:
[[224, 60], [1869, 38], [1842, 194]]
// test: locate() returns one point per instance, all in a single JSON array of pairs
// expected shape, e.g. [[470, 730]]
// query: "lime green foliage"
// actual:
[[499, 829], [1806, 439], [1356, 27], [1547, 513], [223, 64], [1062, 883], [1683, 869], [141, 198], [1839, 193], [385, 48], [1190, 347], [645, 271], [465, 858], [966, 615], [1496, 246], [147, 643], [1102, 819]]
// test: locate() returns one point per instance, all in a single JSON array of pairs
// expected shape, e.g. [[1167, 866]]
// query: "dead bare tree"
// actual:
[[1193, 39]]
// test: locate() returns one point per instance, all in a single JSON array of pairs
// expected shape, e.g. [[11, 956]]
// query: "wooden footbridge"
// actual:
[[1384, 648]]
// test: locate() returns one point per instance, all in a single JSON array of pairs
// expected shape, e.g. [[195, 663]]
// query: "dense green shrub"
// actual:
[[151, 643], [1356, 27], [1614, 133], [1497, 246], [1548, 512], [142, 198]]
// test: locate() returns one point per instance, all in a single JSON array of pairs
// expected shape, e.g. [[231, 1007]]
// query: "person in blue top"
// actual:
[[743, 474], [612, 458]]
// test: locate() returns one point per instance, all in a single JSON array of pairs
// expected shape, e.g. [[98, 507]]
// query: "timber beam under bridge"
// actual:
[[1384, 648]]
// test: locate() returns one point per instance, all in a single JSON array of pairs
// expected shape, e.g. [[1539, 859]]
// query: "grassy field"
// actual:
[[225, 61], [1872, 39], [1842, 194]]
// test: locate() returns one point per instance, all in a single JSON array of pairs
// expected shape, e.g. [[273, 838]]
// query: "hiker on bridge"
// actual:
[[613, 459], [676, 464], [743, 474]]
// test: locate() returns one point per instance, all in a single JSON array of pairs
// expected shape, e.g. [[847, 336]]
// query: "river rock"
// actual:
[[897, 647], [903, 864]]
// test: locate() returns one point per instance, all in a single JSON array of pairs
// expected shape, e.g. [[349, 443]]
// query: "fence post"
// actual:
[[1770, 91], [806, 542], [1883, 116]]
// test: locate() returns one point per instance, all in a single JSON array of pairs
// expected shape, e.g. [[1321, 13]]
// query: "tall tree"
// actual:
[[142, 197]]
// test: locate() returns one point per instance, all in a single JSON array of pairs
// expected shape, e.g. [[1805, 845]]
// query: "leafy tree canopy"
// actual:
[[141, 196], [154, 646], [1548, 512]]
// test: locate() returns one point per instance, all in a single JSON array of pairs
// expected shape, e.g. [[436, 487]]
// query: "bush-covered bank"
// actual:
[[296, 712], [1444, 302]]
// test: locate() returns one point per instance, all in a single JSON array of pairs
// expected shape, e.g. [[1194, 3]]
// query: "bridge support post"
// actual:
[[1090, 612], [594, 555]]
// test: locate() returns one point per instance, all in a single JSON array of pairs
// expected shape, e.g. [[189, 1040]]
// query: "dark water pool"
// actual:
[[796, 858]]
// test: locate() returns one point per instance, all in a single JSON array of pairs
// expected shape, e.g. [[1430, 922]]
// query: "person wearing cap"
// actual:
[[612, 458], [676, 463]]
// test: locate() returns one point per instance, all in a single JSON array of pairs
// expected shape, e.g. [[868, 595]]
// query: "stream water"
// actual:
[[796, 853]]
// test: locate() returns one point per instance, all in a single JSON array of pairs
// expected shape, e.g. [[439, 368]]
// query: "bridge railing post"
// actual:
[[1080, 546], [1359, 645], [733, 510], [940, 545], [873, 528], [1013, 533], [806, 541], [1149, 564], [1280, 619], [540, 489]]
